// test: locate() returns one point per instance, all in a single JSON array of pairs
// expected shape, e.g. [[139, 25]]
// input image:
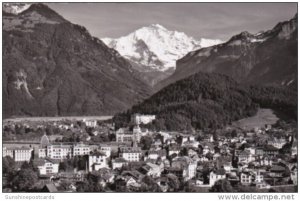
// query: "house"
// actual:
[[259, 151], [208, 138], [130, 153], [270, 150], [165, 136], [118, 163], [162, 182], [106, 175], [294, 175], [142, 118], [72, 176], [258, 177], [277, 142], [246, 178], [184, 138], [190, 170], [151, 169], [7, 152], [187, 165], [245, 157], [194, 144], [128, 180], [23, 154], [106, 149], [192, 153], [155, 154], [177, 171], [46, 166], [97, 160], [277, 171], [174, 150], [42, 153], [19, 154], [264, 160], [126, 183], [224, 148], [60, 151], [90, 123], [125, 135], [251, 150], [81, 149], [216, 175], [207, 148], [294, 149], [225, 162]]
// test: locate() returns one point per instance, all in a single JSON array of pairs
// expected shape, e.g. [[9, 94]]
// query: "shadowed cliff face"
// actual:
[[266, 58], [53, 67]]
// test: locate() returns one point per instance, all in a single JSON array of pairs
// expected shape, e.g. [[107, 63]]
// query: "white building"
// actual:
[[155, 154], [106, 150], [8, 152], [190, 171], [90, 123], [118, 163], [81, 150], [42, 153], [130, 153], [142, 118], [153, 170], [60, 151], [246, 178], [277, 142], [19, 154], [97, 160], [46, 166], [215, 176]]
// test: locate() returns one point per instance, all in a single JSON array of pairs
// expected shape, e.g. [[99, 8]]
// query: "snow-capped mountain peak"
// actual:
[[15, 8], [156, 47]]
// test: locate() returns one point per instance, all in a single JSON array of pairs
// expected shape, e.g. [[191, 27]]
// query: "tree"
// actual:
[[173, 182], [24, 180], [49, 130], [146, 142], [150, 185], [286, 149], [221, 186], [8, 164], [183, 152]]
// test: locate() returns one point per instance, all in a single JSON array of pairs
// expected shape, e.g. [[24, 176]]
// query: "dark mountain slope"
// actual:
[[53, 67], [266, 58]]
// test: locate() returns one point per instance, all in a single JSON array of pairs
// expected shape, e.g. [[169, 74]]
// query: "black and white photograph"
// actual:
[[150, 97]]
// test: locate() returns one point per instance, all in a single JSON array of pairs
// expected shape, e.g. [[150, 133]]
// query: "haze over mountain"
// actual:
[[53, 67], [265, 58], [156, 49]]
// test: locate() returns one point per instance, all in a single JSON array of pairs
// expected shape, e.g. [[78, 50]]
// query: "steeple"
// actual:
[[44, 141], [134, 144]]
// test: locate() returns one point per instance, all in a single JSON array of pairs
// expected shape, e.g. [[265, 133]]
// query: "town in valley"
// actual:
[[90, 155]]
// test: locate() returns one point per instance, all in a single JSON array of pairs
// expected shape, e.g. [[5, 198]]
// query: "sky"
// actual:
[[199, 20]]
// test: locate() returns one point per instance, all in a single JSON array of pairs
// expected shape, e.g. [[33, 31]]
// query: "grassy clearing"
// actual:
[[262, 117]]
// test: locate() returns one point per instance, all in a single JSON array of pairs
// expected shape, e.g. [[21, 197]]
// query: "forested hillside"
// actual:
[[209, 100], [199, 101]]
